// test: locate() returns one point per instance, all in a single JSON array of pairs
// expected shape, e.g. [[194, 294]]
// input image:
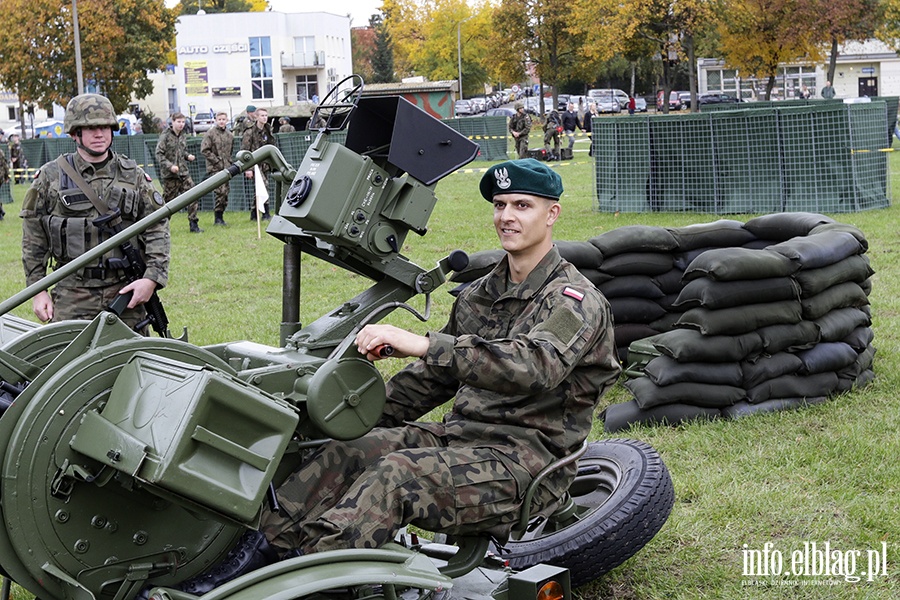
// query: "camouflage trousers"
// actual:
[[551, 135], [522, 146], [359, 493], [221, 194], [85, 303], [175, 186]]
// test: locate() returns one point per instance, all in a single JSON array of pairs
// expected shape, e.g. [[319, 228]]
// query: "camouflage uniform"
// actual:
[[171, 149], [520, 123], [4, 177], [216, 148], [526, 365], [551, 134], [17, 158], [57, 226], [255, 138]]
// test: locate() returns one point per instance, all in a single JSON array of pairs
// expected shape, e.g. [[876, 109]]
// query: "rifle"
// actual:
[[133, 265]]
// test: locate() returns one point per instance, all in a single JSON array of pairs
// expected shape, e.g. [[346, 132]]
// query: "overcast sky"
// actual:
[[359, 10]]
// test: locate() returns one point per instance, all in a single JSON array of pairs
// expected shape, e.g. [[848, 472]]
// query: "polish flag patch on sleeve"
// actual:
[[573, 293]]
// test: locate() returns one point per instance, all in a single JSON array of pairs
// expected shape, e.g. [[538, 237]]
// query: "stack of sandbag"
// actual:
[[759, 329], [637, 269]]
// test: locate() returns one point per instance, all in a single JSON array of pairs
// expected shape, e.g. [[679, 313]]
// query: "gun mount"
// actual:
[[130, 462]]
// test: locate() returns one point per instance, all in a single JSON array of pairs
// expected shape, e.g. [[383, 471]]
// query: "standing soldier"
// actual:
[[59, 213], [520, 127], [4, 177], [552, 128], [173, 157], [254, 138], [17, 158], [216, 147], [285, 125], [244, 123]]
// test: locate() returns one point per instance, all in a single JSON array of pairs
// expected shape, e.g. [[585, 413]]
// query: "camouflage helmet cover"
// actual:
[[89, 110]]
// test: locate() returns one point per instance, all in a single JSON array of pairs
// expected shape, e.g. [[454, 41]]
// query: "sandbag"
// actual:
[[828, 356], [682, 260], [837, 324], [596, 276], [617, 417], [688, 345], [740, 319], [664, 370], [744, 408], [860, 338], [480, 264], [851, 229], [580, 254], [635, 310], [634, 238], [670, 281], [724, 233], [628, 333], [853, 268], [730, 264], [637, 263], [667, 321], [792, 386], [816, 251], [784, 226], [792, 337], [647, 394], [842, 295], [768, 366], [713, 294], [637, 286]]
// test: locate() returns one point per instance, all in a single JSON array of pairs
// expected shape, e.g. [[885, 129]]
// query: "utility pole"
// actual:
[[78, 72]]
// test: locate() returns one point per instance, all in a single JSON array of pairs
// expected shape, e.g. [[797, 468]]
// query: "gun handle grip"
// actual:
[[120, 304]]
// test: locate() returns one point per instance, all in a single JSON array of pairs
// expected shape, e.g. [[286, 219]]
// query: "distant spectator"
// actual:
[[632, 105], [285, 125], [570, 124], [828, 91]]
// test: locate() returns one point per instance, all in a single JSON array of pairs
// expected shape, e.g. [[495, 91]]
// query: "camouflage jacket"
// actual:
[[4, 168], [216, 148], [255, 138], [526, 366], [57, 224], [520, 123], [171, 149]]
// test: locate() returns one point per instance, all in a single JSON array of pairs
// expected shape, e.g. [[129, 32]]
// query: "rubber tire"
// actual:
[[624, 495]]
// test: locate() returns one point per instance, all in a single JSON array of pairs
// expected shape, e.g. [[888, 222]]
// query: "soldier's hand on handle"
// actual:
[[141, 290], [42, 305], [373, 340]]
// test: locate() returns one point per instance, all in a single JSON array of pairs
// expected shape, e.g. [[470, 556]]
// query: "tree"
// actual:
[[383, 58], [190, 7], [121, 41], [362, 40], [759, 35], [840, 21]]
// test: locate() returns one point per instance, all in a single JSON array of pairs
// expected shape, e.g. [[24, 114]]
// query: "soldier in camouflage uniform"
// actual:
[[172, 157], [58, 221], [527, 353], [4, 177], [254, 138], [520, 127], [285, 125], [216, 148]]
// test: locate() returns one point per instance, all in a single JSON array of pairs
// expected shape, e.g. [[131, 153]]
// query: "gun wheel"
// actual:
[[623, 495]]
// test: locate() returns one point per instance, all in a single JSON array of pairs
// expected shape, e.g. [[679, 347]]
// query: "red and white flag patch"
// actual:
[[572, 293]]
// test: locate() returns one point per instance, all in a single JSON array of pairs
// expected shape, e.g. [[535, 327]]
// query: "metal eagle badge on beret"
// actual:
[[523, 176]]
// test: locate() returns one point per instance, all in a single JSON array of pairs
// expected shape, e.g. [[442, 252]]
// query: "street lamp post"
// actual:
[[459, 53]]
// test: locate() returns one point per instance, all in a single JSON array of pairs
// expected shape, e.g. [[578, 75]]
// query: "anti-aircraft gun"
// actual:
[[132, 463]]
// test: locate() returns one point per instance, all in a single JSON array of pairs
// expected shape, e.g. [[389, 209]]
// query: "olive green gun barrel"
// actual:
[[245, 160]]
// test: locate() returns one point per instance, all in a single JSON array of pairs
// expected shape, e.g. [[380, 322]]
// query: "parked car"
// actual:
[[463, 108], [640, 104], [479, 105], [716, 98], [678, 100], [532, 105], [204, 121], [606, 103], [500, 112], [562, 102]]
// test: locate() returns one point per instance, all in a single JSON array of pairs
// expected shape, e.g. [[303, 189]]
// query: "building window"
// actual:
[[13, 116], [261, 68], [307, 87]]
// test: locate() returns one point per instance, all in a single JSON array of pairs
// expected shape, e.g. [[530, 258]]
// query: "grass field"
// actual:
[[829, 473]]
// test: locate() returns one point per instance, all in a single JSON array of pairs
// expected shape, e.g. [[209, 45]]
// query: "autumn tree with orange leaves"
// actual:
[[122, 41]]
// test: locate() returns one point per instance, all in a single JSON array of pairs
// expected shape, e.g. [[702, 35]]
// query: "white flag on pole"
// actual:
[[262, 193]]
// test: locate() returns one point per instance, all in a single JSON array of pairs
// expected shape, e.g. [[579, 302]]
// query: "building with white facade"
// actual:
[[868, 68], [229, 60]]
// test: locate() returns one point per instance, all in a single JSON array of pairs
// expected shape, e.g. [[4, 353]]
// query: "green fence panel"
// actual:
[[490, 133]]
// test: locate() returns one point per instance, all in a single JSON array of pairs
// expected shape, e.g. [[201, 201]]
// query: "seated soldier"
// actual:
[[527, 353]]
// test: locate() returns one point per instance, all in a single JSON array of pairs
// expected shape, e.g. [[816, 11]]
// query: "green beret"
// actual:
[[251, 108], [524, 176]]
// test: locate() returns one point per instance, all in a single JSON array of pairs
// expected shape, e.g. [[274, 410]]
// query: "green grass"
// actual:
[[826, 473]]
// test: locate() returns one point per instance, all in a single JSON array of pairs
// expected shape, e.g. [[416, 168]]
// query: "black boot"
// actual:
[[195, 227], [251, 552], [253, 214], [219, 220]]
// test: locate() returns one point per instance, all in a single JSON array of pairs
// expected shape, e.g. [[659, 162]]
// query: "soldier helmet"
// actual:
[[89, 110], [519, 105]]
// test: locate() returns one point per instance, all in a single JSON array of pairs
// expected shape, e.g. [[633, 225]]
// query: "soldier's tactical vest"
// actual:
[[70, 228]]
